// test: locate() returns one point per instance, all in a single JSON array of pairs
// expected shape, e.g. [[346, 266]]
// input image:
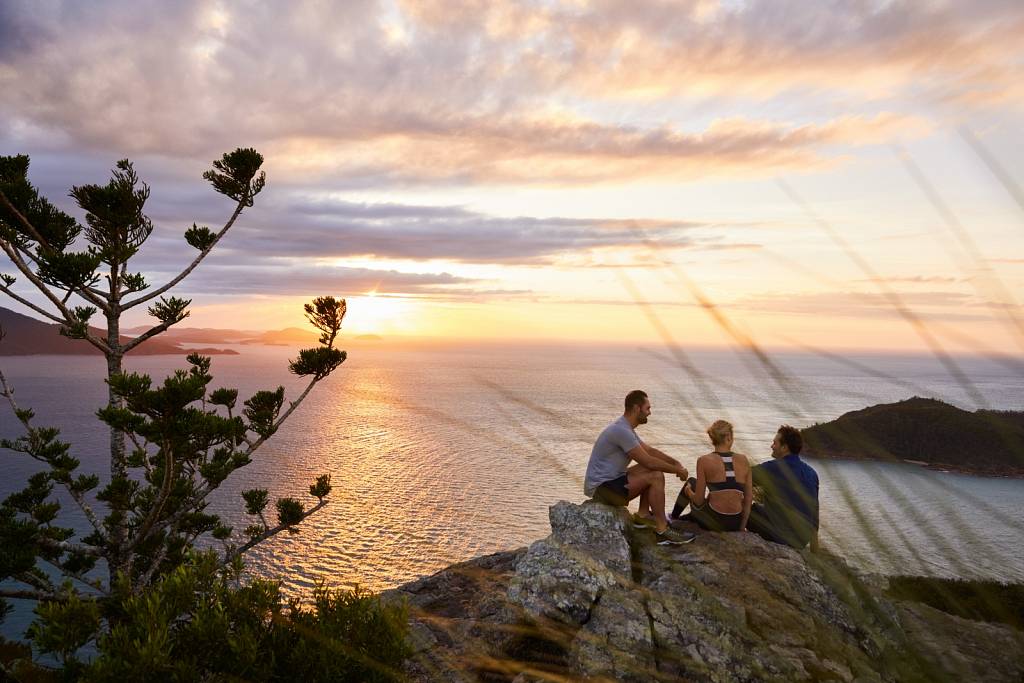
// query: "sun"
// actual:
[[374, 313]]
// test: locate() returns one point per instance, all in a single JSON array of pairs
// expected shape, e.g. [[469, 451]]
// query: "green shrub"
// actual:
[[197, 623]]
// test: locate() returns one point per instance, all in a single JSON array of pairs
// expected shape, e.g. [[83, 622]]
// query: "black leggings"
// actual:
[[706, 516]]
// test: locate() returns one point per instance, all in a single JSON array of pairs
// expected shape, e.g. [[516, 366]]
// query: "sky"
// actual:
[[821, 174]]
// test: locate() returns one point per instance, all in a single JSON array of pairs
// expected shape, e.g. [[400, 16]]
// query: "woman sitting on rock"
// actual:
[[722, 492]]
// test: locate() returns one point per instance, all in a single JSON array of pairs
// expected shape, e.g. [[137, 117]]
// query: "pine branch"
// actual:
[[24, 221], [270, 533], [29, 304], [253, 445], [147, 576], [68, 547], [141, 447], [69, 318], [149, 334], [192, 266], [28, 595], [186, 509], [84, 293], [7, 392], [158, 506], [93, 584], [38, 583]]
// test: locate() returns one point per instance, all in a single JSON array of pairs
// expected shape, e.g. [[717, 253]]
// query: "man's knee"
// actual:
[[641, 479], [654, 478]]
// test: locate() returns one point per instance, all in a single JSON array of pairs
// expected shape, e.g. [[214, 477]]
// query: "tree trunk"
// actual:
[[117, 559]]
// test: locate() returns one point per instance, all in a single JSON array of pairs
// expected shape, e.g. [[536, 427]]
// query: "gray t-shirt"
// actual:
[[608, 460]]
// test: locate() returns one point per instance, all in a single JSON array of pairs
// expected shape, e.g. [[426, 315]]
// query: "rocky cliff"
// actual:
[[598, 600]]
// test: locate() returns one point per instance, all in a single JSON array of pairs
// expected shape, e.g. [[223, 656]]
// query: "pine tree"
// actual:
[[172, 444]]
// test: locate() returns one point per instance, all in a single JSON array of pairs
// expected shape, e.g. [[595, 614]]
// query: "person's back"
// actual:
[[724, 475], [721, 494], [791, 498], [608, 458]]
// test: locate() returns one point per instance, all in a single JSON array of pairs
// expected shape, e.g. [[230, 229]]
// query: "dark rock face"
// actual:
[[597, 600]]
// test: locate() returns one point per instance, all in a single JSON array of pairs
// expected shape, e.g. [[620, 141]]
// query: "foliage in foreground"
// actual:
[[971, 599], [197, 624], [172, 444]]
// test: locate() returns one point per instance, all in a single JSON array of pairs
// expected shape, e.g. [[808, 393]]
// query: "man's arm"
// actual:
[[642, 456], [661, 455]]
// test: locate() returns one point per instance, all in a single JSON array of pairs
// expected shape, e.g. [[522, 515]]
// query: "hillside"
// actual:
[[198, 335], [928, 431], [597, 600], [25, 336], [287, 337]]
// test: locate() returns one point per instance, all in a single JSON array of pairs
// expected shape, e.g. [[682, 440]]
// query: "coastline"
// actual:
[[943, 468]]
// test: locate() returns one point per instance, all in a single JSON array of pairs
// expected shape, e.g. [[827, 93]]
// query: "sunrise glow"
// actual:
[[590, 174]]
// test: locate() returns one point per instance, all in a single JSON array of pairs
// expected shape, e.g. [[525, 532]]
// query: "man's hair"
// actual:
[[635, 398], [791, 437], [719, 431]]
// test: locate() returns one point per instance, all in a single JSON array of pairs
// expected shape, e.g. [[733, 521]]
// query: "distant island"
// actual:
[[25, 336], [289, 336], [927, 432]]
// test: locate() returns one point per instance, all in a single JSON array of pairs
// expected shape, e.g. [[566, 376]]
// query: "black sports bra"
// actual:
[[730, 483]]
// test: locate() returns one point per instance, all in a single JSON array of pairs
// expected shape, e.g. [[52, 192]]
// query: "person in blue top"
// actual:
[[789, 487]]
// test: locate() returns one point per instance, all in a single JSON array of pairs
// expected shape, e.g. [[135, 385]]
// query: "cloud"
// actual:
[[292, 225], [19, 33], [363, 93], [279, 279], [943, 305], [762, 48], [918, 279], [528, 150]]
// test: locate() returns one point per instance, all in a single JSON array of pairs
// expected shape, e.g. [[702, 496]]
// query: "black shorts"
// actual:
[[614, 492]]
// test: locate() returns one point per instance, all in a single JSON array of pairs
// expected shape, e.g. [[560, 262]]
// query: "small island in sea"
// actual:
[[927, 432], [26, 336]]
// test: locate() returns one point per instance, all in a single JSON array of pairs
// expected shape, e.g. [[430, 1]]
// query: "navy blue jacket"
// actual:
[[791, 497]]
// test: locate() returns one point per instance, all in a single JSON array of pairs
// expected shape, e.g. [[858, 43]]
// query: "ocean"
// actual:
[[446, 452]]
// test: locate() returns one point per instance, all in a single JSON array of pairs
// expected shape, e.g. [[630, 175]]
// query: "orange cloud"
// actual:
[[559, 151]]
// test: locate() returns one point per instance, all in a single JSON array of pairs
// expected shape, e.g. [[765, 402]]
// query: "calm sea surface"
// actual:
[[443, 454]]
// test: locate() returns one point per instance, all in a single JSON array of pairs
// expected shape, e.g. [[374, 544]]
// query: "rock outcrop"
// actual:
[[598, 600]]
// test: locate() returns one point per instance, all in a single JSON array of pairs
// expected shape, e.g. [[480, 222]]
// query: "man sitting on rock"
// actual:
[[608, 480], [789, 512]]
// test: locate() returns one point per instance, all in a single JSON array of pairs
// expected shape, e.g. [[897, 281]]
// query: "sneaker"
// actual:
[[678, 523], [641, 522], [673, 537]]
